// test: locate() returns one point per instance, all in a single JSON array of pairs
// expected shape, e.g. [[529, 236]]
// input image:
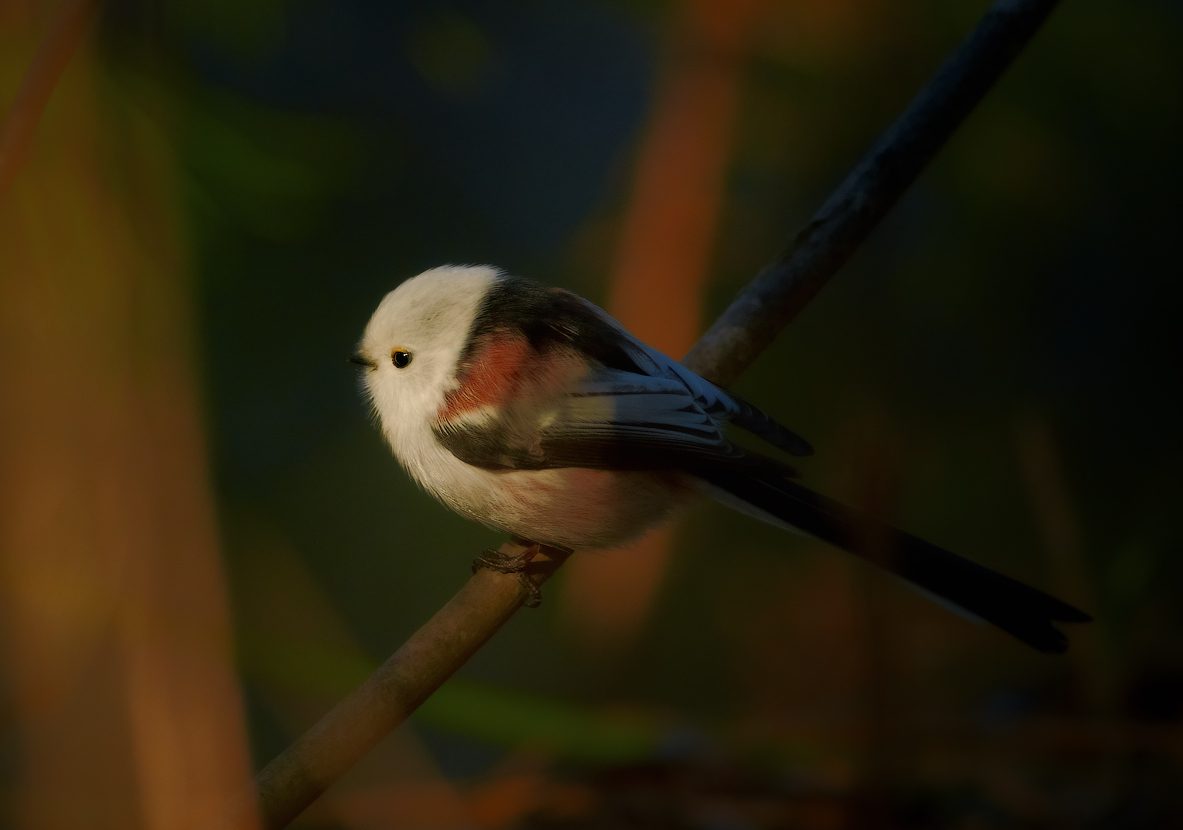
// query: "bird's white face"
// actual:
[[413, 343]]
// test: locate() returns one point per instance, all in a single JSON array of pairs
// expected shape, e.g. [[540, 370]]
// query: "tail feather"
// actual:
[[1018, 609]]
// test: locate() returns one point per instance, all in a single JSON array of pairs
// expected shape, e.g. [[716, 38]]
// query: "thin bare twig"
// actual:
[[786, 285], [47, 67], [298, 776]]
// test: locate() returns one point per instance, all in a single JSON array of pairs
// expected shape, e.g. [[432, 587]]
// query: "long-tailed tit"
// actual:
[[532, 411]]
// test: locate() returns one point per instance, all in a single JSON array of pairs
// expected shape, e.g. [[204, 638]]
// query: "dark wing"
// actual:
[[630, 407], [733, 408], [605, 419], [550, 318], [724, 405]]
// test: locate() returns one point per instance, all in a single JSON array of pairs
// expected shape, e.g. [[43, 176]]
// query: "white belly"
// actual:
[[570, 507]]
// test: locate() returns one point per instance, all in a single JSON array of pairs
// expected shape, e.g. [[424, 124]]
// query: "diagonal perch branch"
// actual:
[[785, 285], [321, 755], [302, 772]]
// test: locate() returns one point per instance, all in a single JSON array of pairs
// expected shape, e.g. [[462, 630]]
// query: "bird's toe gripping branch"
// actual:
[[495, 560]]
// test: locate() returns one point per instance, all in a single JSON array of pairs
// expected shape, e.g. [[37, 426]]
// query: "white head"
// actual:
[[414, 341]]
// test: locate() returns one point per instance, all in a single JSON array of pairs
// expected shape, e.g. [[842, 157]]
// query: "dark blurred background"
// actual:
[[997, 369]]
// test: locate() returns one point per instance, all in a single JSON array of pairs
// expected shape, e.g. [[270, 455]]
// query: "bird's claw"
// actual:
[[497, 561]]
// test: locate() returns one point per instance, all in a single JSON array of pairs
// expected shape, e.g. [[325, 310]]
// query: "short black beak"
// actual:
[[362, 361]]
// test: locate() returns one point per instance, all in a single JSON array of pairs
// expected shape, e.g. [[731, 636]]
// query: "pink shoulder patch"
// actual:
[[504, 370], [490, 377]]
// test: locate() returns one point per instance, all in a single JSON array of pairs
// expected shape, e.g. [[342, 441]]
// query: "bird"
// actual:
[[532, 411]]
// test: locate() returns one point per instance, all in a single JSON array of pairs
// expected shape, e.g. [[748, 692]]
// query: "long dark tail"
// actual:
[[1016, 608]]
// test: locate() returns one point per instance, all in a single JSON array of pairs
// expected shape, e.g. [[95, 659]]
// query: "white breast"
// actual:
[[570, 507]]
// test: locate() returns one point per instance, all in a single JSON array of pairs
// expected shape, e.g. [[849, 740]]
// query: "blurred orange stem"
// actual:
[[662, 264], [114, 626], [670, 225], [20, 122]]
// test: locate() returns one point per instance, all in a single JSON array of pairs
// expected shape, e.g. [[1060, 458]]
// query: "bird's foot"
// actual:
[[495, 560]]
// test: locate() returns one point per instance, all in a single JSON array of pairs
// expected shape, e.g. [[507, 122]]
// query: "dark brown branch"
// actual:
[[305, 769], [298, 776], [787, 284]]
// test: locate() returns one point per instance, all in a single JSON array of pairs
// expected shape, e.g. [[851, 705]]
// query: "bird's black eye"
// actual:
[[401, 358]]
